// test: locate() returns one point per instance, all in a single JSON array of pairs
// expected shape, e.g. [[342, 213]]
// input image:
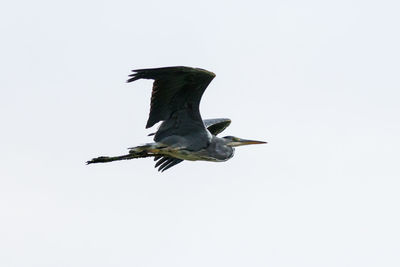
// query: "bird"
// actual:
[[182, 134]]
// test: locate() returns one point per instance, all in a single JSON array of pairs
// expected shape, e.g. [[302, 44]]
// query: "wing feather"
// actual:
[[174, 88]]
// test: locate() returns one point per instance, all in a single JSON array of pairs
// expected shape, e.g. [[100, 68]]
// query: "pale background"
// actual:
[[318, 80]]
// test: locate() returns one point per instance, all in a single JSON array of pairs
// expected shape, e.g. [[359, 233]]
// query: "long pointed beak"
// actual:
[[243, 142]]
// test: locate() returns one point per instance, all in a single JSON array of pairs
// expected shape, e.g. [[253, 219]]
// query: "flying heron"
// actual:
[[182, 135]]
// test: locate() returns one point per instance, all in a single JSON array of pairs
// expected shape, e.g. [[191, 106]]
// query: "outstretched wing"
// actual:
[[174, 89]]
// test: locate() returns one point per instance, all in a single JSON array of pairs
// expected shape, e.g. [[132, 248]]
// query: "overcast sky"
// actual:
[[318, 80]]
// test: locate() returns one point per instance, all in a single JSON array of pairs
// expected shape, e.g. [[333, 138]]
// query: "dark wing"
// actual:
[[174, 89], [215, 126]]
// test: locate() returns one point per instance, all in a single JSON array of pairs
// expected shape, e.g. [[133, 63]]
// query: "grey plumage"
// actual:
[[182, 135]]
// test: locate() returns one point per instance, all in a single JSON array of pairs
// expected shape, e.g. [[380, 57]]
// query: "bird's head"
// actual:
[[233, 141]]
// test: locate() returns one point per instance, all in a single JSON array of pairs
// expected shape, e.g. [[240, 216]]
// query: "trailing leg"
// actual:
[[131, 155]]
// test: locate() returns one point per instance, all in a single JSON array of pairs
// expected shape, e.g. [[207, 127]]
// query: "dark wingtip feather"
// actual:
[[161, 161], [165, 163], [167, 166], [172, 163], [134, 77]]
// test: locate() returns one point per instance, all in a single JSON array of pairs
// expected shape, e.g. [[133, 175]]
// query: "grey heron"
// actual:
[[183, 134]]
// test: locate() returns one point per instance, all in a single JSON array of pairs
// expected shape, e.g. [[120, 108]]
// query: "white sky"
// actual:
[[318, 80]]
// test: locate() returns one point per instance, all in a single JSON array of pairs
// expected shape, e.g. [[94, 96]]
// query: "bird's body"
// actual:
[[216, 150], [182, 135]]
